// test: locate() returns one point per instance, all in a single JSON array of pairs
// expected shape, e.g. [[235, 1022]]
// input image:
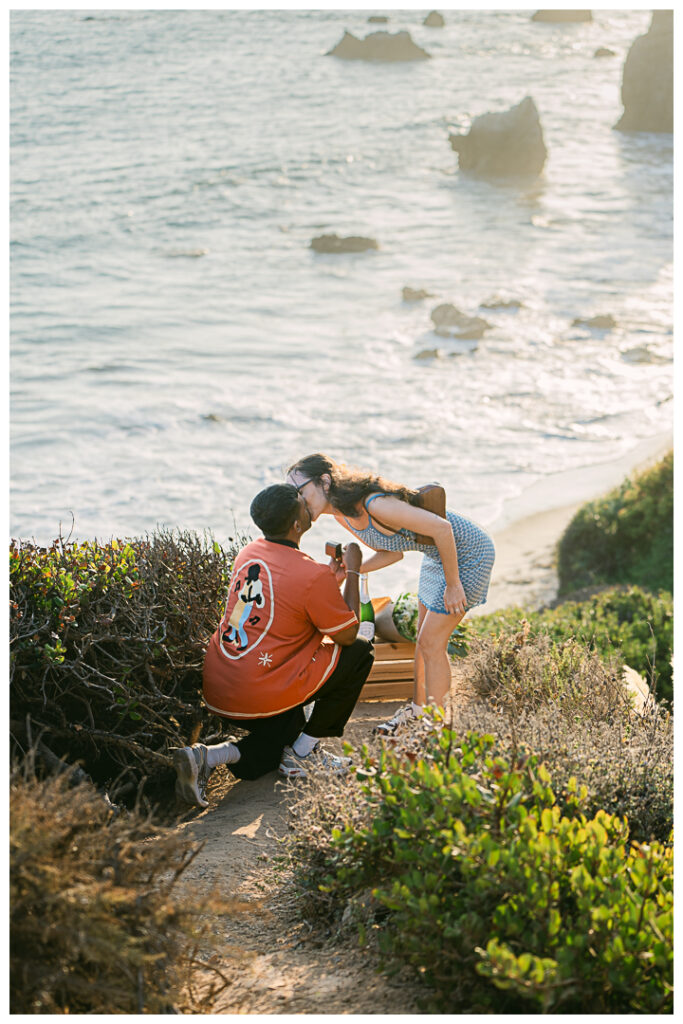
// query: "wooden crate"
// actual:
[[391, 677]]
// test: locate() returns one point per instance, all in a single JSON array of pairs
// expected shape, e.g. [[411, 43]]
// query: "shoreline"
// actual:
[[525, 570], [526, 534]]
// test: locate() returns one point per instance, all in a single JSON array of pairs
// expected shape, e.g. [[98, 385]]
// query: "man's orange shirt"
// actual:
[[268, 654]]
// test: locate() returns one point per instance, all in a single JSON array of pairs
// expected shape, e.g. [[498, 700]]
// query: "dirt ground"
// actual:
[[274, 963]]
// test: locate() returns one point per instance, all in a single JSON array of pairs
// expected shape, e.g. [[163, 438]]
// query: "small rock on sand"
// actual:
[[336, 244], [382, 46], [414, 294]]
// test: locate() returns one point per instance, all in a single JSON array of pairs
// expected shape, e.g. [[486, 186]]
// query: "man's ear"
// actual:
[[326, 481]]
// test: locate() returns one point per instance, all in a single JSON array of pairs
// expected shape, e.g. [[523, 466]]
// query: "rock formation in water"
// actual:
[[434, 20], [604, 51], [642, 354], [562, 16], [647, 84], [414, 294], [378, 19], [378, 46], [503, 145], [336, 244], [603, 322], [499, 303], [449, 322]]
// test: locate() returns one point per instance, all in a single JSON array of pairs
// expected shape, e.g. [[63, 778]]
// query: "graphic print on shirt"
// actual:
[[249, 611]]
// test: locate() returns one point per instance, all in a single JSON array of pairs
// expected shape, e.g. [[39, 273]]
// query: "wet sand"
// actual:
[[525, 572]]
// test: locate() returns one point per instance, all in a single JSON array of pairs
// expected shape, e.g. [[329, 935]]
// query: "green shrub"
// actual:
[[97, 921], [493, 897], [106, 649], [625, 761], [571, 707], [624, 623], [525, 670], [625, 537]]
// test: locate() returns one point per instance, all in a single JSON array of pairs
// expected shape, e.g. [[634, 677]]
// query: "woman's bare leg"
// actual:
[[432, 643], [419, 684]]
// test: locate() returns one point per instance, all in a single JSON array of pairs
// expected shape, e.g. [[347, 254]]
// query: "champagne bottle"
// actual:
[[367, 612]]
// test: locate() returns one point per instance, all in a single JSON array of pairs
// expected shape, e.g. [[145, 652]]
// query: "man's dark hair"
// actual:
[[275, 509]]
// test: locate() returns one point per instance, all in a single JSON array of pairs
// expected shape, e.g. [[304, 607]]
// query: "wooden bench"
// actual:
[[391, 677]]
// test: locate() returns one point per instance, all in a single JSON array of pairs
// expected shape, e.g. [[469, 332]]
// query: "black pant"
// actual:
[[262, 749]]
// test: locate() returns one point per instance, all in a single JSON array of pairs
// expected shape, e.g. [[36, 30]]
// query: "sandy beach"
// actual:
[[525, 569]]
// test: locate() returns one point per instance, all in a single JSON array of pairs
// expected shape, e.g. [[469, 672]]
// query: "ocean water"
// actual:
[[175, 342]]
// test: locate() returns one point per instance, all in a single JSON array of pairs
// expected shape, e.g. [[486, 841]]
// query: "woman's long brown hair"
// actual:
[[349, 487]]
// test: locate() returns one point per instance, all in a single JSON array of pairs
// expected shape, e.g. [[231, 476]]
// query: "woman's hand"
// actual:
[[454, 599]]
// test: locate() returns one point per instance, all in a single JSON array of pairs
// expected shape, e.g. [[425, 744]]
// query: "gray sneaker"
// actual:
[[294, 766], [393, 724], [192, 774]]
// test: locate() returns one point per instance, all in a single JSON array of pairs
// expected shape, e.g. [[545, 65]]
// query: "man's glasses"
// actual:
[[300, 487]]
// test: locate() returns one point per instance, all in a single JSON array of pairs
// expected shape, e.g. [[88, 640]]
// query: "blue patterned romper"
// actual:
[[475, 549]]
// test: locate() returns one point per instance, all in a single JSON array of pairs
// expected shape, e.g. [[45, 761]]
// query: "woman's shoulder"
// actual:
[[375, 494]]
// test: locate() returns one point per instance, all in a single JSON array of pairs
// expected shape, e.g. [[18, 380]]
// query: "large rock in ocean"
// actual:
[[562, 16], [503, 145], [434, 20], [414, 294], [449, 322], [647, 84], [378, 46], [335, 244]]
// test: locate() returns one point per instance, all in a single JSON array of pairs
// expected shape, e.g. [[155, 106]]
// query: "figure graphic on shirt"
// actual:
[[251, 596]]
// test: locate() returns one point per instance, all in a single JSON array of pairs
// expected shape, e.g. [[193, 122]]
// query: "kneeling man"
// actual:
[[269, 656]]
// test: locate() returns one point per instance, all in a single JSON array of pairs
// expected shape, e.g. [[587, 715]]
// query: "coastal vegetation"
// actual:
[[521, 858], [107, 646], [615, 568], [97, 922], [496, 890], [624, 537], [626, 625], [517, 858]]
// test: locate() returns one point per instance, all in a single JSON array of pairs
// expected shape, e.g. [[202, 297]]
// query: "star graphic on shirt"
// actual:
[[265, 659]]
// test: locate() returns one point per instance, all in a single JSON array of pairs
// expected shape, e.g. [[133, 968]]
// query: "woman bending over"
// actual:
[[456, 568]]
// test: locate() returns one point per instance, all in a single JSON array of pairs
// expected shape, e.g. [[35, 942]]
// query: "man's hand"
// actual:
[[352, 557], [339, 570]]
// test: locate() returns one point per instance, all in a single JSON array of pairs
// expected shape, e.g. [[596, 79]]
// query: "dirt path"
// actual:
[[275, 966]]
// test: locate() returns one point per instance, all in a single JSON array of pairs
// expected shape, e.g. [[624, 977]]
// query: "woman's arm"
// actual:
[[400, 515], [380, 559]]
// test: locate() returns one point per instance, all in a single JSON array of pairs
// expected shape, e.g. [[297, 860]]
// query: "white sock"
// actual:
[[304, 744], [222, 753], [417, 709]]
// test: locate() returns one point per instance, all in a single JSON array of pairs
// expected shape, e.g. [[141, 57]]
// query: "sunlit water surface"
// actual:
[[175, 341]]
